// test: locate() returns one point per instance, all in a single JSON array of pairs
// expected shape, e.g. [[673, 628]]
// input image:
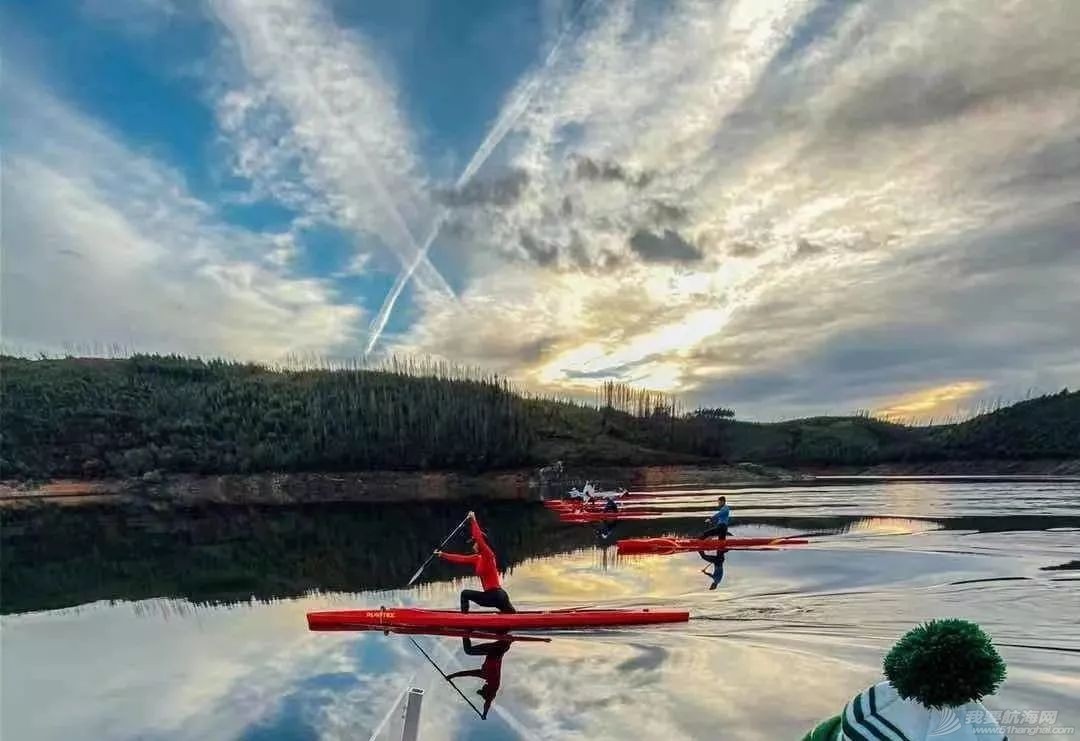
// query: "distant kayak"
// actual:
[[590, 492], [666, 545], [389, 618], [580, 517]]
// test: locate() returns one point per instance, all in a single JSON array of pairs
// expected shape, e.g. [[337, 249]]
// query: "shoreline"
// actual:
[[185, 490]]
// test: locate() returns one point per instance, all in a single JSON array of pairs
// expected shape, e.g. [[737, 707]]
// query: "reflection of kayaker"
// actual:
[[718, 523], [717, 561], [490, 671], [607, 527], [482, 559]]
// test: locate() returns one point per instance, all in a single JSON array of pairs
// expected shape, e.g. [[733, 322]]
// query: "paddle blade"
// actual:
[[418, 572]]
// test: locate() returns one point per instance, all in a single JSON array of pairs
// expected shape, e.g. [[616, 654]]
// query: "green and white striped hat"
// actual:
[[937, 673], [880, 714]]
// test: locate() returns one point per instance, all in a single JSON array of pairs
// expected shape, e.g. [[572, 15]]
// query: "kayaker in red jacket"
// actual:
[[483, 560], [490, 671]]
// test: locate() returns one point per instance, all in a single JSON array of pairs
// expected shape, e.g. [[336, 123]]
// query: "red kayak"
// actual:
[[578, 517], [669, 545], [389, 618]]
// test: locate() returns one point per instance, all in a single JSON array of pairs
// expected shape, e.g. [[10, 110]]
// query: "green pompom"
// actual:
[[944, 663]]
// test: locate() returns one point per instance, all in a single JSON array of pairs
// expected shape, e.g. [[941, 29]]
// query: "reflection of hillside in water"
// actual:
[[61, 557]]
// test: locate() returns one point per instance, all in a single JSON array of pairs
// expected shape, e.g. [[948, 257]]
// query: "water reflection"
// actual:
[[62, 557], [799, 629], [717, 561], [490, 671]]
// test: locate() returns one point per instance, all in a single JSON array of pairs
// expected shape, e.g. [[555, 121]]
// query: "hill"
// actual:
[[147, 414], [1046, 427]]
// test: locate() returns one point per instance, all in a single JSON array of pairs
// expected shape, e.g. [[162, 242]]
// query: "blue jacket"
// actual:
[[722, 516]]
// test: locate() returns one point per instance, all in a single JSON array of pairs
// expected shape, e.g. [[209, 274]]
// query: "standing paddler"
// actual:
[[718, 523], [482, 559]]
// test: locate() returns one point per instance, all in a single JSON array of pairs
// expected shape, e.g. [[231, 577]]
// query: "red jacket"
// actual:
[[483, 561]]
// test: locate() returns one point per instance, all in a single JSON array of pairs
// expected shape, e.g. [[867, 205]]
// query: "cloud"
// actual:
[[806, 248], [936, 401], [666, 247], [796, 206], [743, 249], [853, 158], [915, 322], [501, 191], [104, 245], [586, 168], [314, 121]]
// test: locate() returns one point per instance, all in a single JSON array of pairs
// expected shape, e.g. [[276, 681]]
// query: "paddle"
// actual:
[[441, 545], [443, 674]]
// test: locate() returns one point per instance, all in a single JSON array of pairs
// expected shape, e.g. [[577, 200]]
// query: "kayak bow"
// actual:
[[388, 618]]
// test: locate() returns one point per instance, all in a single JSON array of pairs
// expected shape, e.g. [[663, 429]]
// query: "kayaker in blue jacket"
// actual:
[[718, 523]]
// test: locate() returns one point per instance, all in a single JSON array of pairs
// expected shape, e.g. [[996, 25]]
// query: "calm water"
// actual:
[[159, 626]]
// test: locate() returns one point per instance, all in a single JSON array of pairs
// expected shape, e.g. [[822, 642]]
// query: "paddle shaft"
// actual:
[[426, 562], [443, 674]]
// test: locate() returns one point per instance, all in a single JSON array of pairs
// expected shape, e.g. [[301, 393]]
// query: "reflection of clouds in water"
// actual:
[[246, 672], [669, 686], [782, 623], [152, 687], [890, 526]]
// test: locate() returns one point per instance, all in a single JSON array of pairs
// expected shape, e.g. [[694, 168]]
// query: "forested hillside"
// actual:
[[148, 414]]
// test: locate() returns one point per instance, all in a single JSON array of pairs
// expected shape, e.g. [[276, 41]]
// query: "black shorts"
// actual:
[[497, 598]]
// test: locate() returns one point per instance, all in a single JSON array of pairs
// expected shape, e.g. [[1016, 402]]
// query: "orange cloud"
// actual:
[[935, 401]]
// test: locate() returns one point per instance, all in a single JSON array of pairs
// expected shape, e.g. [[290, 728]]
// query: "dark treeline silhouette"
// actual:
[[90, 417], [58, 557], [143, 415]]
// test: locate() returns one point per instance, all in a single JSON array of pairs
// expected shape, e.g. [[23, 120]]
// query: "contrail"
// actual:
[[296, 87], [503, 124]]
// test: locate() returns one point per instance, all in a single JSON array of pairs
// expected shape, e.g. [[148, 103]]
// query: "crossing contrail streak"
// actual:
[[276, 39], [506, 121]]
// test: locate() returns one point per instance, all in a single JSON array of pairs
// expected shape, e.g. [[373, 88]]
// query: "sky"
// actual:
[[788, 207]]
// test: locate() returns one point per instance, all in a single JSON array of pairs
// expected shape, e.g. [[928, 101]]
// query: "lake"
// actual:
[[157, 624]]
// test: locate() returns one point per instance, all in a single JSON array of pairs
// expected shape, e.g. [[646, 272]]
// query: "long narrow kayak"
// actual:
[[579, 517], [667, 545], [404, 617]]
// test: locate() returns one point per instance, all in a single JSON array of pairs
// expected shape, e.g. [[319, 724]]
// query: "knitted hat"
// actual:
[[937, 673]]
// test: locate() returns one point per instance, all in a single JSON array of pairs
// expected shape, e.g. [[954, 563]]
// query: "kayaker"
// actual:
[[611, 506], [717, 561], [482, 559], [718, 523], [490, 671]]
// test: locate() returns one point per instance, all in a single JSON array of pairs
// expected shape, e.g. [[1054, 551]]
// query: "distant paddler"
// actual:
[[718, 523], [589, 493], [482, 559]]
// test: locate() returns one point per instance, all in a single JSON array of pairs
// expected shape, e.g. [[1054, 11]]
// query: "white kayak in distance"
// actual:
[[589, 492]]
